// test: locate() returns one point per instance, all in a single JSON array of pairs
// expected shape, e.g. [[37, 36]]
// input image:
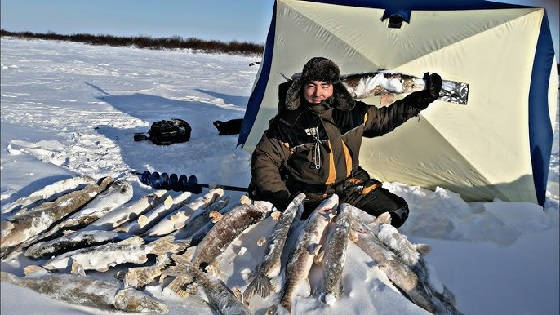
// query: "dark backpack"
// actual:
[[166, 132]]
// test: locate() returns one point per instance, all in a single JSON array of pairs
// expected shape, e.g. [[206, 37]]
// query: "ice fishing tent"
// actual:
[[496, 146]]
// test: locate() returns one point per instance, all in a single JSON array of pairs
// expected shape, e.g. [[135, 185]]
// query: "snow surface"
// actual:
[[71, 109]]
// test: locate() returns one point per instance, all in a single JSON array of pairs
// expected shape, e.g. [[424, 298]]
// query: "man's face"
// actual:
[[317, 91]]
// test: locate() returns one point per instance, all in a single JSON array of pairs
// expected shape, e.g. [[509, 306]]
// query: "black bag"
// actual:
[[230, 127], [166, 132]]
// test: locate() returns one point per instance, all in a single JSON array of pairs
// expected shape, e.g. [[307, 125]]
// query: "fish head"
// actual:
[[131, 300]]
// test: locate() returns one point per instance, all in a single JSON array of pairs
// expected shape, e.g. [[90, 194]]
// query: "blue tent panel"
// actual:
[[540, 128], [254, 103]]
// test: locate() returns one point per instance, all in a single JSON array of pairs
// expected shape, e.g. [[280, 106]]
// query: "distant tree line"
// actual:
[[212, 46]]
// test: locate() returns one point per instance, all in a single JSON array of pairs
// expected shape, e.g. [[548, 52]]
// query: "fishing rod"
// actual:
[[179, 182]]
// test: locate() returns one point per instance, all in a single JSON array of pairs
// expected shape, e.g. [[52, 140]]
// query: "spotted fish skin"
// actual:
[[412, 280], [70, 242], [301, 259], [390, 84], [26, 229], [129, 211], [101, 257], [226, 230], [48, 193], [115, 195], [271, 265], [335, 256], [86, 291], [220, 297]]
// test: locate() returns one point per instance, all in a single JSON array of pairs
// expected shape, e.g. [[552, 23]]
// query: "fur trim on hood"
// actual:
[[319, 69]]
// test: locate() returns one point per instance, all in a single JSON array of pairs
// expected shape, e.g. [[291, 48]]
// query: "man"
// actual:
[[312, 144]]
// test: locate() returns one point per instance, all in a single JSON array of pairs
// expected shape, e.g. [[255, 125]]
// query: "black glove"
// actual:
[[280, 199], [433, 84]]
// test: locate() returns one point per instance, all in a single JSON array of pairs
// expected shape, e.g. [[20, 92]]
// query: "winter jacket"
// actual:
[[315, 149]]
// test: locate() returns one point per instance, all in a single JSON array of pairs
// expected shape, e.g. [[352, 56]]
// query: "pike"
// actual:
[[88, 292], [363, 85], [129, 211], [70, 242], [301, 259], [413, 281], [271, 265], [177, 219], [118, 193], [220, 297], [151, 219], [390, 237], [226, 230], [136, 226], [141, 276], [100, 258], [200, 218], [47, 193], [198, 236], [24, 229], [334, 256]]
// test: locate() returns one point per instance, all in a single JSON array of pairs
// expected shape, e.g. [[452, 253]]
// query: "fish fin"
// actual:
[[237, 293], [314, 249], [276, 215], [449, 296], [277, 309], [182, 286], [142, 220], [261, 241], [423, 249], [164, 245], [8, 277], [135, 240], [77, 268], [244, 200], [186, 257], [34, 269], [318, 258], [215, 216], [353, 236], [384, 218], [260, 285]]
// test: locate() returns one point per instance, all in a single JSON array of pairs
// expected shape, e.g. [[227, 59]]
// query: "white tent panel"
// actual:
[[481, 149]]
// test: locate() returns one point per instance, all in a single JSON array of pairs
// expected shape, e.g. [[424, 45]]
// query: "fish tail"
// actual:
[[277, 310], [259, 285], [8, 277]]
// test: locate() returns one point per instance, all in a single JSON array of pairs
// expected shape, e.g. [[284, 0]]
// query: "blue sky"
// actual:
[[224, 20]]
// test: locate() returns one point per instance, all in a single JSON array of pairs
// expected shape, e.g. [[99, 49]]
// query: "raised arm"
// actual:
[[383, 120]]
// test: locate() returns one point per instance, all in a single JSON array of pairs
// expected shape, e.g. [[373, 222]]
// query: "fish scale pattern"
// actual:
[[179, 265]]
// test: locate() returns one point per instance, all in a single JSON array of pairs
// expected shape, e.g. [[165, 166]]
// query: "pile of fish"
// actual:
[[78, 227]]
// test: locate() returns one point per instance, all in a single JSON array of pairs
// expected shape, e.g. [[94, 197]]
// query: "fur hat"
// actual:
[[319, 69]]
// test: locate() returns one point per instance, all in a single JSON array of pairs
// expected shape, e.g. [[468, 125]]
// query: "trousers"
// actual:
[[373, 201]]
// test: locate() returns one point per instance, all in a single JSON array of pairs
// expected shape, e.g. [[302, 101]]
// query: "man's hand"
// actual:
[[433, 84], [280, 199]]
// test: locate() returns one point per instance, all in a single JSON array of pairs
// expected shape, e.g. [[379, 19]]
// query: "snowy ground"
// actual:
[[68, 108]]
